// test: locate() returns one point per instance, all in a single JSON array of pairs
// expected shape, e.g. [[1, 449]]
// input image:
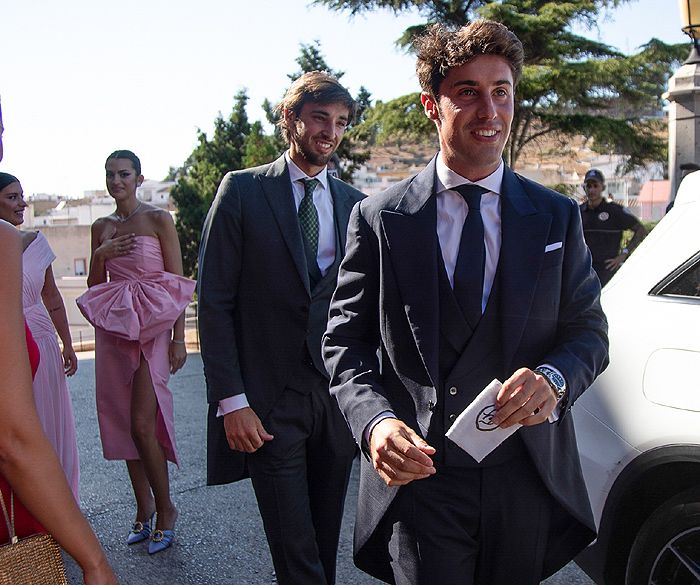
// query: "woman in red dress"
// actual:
[[27, 460], [25, 523]]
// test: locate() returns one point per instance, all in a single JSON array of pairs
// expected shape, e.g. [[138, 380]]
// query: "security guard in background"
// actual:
[[603, 225]]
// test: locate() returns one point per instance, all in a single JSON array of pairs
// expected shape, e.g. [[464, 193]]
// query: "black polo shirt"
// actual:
[[603, 227]]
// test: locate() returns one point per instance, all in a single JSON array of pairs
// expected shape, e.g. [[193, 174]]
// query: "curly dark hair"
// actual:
[[316, 87], [441, 48]]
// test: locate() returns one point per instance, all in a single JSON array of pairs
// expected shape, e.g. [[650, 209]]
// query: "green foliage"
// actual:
[[565, 189], [190, 218], [396, 122], [311, 59], [571, 86], [458, 12], [364, 102], [448, 11], [260, 148], [202, 172]]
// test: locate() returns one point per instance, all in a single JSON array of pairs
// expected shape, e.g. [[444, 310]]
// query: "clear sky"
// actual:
[[81, 78]]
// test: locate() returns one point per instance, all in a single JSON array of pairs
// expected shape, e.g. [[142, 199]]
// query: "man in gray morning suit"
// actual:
[[465, 273], [268, 264]]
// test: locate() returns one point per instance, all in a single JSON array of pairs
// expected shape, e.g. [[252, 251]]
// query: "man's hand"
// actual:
[[612, 264], [399, 455], [244, 431], [525, 398]]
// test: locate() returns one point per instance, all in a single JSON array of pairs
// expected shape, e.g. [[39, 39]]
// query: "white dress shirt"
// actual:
[[452, 210], [325, 257]]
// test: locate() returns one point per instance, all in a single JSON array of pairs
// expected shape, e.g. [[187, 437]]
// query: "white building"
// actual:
[[156, 193], [95, 204]]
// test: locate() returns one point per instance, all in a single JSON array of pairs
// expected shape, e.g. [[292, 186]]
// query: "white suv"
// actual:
[[638, 426]]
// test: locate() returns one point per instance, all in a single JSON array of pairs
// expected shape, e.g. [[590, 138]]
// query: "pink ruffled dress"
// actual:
[[53, 403], [133, 314]]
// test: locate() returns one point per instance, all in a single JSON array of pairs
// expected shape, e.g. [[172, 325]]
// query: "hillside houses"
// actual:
[[562, 169]]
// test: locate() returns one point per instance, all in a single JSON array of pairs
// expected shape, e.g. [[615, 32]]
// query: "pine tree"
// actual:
[[200, 176], [571, 86]]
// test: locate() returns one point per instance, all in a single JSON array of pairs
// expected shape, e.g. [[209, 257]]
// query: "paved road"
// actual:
[[220, 540]]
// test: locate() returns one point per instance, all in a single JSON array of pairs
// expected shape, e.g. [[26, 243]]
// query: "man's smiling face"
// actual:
[[473, 114]]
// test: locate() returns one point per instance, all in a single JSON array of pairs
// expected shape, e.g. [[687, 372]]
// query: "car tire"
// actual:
[[670, 536]]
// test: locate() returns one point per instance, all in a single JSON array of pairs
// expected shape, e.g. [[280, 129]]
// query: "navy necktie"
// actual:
[[469, 269], [308, 215]]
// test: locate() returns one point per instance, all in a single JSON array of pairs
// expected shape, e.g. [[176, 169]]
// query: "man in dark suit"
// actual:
[[465, 273], [269, 258]]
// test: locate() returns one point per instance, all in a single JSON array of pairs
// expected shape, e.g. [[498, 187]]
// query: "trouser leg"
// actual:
[[328, 481], [484, 526], [281, 489], [300, 480]]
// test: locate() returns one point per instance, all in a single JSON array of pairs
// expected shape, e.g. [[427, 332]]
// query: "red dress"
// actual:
[[25, 523]]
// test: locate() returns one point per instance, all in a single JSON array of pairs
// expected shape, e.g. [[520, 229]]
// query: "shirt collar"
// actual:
[[447, 179], [603, 203], [296, 174]]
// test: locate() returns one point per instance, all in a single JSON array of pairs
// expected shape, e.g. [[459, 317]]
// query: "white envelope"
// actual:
[[473, 430]]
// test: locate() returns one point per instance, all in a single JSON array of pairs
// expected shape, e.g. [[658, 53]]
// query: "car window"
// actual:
[[684, 281]]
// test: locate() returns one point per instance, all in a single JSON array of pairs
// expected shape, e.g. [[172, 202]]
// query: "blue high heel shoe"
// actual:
[[140, 531], [160, 540]]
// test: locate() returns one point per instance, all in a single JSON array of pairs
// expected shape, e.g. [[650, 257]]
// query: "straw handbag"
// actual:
[[35, 560]]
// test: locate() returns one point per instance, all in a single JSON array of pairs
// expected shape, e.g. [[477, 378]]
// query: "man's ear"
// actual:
[[139, 180], [288, 115], [430, 106]]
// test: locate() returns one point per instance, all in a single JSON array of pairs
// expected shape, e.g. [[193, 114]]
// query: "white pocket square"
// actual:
[[552, 247]]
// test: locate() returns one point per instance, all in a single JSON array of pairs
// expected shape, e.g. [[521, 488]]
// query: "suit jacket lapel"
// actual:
[[342, 206], [524, 232], [278, 192], [411, 238]]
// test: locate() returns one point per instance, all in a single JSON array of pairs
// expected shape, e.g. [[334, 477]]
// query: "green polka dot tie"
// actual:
[[308, 215]]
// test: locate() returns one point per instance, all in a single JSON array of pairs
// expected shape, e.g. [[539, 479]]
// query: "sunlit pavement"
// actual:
[[220, 539]]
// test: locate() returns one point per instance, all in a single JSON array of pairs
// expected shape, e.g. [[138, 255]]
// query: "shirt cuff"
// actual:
[[231, 404], [556, 413], [373, 423]]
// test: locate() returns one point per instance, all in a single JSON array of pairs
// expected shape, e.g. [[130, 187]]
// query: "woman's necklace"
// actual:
[[121, 219]]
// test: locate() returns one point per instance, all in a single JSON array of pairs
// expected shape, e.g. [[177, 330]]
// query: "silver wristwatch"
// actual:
[[554, 379]]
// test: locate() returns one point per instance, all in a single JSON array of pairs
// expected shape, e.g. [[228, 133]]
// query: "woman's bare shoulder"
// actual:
[[8, 233], [28, 238], [103, 228]]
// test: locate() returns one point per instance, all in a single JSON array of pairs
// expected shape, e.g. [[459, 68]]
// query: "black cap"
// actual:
[[594, 175]]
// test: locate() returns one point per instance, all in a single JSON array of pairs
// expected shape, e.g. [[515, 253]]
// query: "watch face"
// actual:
[[558, 380], [555, 378]]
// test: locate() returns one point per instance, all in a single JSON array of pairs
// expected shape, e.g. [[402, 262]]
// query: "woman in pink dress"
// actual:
[[45, 314], [136, 301]]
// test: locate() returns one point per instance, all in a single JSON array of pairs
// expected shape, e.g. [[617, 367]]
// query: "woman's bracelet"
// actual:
[[180, 341]]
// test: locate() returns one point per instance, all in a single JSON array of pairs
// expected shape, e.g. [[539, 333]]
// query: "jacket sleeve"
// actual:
[[580, 351], [351, 342], [219, 273]]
